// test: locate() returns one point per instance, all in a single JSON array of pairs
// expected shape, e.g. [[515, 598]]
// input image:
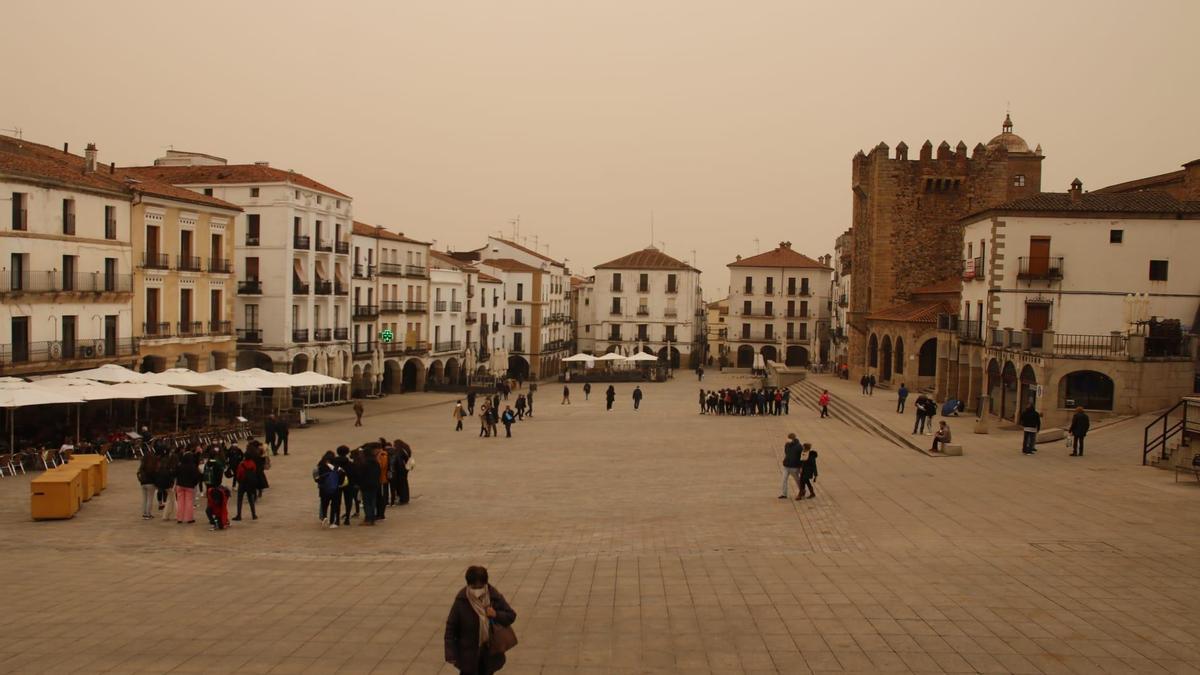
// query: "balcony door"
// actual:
[[68, 336], [20, 339], [1037, 320], [110, 335], [185, 308], [152, 311], [151, 242], [1039, 257], [214, 308]]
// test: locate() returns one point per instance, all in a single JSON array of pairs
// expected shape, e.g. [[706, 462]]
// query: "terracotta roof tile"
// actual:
[[646, 259], [917, 311], [1142, 202], [947, 285], [782, 256], [231, 173], [451, 261], [485, 278], [510, 265], [380, 232]]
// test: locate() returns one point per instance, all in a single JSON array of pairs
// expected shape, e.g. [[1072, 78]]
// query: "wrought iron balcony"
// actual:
[[439, 306], [391, 305], [220, 328], [391, 270], [362, 271], [299, 287], [322, 334], [364, 348], [472, 317], [61, 282], [252, 240], [220, 266], [324, 287], [455, 306], [156, 261], [325, 246], [366, 311], [340, 288], [1046, 268], [299, 335], [416, 271], [249, 287], [188, 263], [190, 328], [416, 307], [301, 242], [970, 331], [342, 247], [156, 329], [253, 335], [17, 355], [448, 346], [342, 333]]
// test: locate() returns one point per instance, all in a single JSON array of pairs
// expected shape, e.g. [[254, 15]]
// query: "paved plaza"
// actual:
[[637, 542]]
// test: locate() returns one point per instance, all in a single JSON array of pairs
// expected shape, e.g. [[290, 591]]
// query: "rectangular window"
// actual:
[[69, 268], [804, 309], [252, 229], [1158, 270], [791, 330], [746, 331], [252, 317], [643, 283], [518, 317], [20, 339], [672, 283], [251, 269], [791, 290], [185, 307], [769, 332], [747, 308], [208, 192], [804, 286], [791, 308], [769, 309], [110, 274], [68, 216], [1019, 180], [1116, 236], [770, 285], [253, 192], [520, 291], [68, 337], [670, 333], [643, 332], [616, 305], [803, 332], [110, 222], [20, 211], [749, 288], [616, 283]]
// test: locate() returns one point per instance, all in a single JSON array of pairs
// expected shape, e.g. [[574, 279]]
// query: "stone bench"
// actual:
[[1050, 435], [952, 450]]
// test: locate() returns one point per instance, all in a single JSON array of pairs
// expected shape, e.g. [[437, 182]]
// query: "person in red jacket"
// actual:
[[824, 403]]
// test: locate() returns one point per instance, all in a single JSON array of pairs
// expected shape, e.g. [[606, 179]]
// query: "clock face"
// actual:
[[386, 335]]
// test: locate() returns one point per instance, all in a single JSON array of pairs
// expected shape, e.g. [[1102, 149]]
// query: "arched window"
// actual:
[[898, 358], [873, 352], [1086, 388], [927, 359]]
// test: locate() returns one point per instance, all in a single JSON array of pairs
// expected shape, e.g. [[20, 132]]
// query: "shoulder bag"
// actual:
[[503, 639]]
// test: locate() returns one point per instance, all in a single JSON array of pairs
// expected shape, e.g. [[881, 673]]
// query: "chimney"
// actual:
[[89, 158], [1076, 190], [66, 147], [262, 164], [112, 167]]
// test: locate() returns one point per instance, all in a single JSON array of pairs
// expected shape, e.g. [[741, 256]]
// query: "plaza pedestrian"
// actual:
[[566, 396], [402, 465], [808, 471], [367, 469], [187, 477], [329, 479], [458, 413], [233, 457], [350, 486], [931, 408], [246, 473], [269, 432], [871, 385], [778, 407], [216, 495], [791, 465], [147, 475], [508, 418], [787, 401], [609, 396], [901, 397], [824, 403], [358, 412], [700, 373], [587, 390], [493, 420], [919, 409], [483, 420], [471, 403], [1080, 423], [703, 401], [941, 438], [864, 382], [637, 397], [529, 402], [1031, 424], [168, 467], [478, 628], [384, 495], [262, 463], [521, 406]]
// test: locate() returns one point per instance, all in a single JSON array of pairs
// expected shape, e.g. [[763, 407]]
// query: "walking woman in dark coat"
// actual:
[[469, 626]]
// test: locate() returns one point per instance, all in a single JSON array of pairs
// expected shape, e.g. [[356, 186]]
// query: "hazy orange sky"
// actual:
[[731, 121]]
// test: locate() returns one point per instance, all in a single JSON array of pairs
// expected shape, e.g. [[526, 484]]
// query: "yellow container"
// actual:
[[87, 477], [56, 494], [98, 468]]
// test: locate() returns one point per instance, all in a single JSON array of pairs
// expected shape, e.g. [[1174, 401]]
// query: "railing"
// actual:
[[366, 310], [340, 288], [615, 311], [947, 322], [970, 331], [615, 288], [252, 240], [364, 348], [416, 271], [519, 322], [190, 328], [455, 306], [1040, 267], [156, 261], [439, 306], [249, 287], [447, 346], [249, 335], [414, 306], [301, 242], [643, 289], [672, 289], [325, 246], [362, 271], [342, 333], [798, 314], [60, 282], [391, 269], [299, 335], [1090, 345], [417, 347], [188, 263], [670, 311], [299, 287], [324, 287], [18, 354], [322, 334], [220, 327], [342, 247], [391, 305], [156, 329], [472, 317], [220, 266], [1188, 422]]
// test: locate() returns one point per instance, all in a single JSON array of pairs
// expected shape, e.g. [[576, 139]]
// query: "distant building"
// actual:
[[717, 329], [839, 330]]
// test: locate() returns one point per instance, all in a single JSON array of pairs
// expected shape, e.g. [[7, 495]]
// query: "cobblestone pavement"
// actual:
[[630, 542]]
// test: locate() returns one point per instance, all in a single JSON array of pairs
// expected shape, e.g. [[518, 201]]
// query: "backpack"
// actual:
[[247, 473], [329, 482], [213, 471]]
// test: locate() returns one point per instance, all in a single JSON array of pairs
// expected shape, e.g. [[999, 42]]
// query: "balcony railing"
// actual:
[[364, 348], [188, 263], [415, 307], [391, 270], [301, 242], [340, 288], [325, 246], [518, 322], [189, 328], [417, 348], [220, 266], [324, 287], [643, 289], [1047, 268], [416, 271], [748, 290], [643, 311], [672, 289], [342, 333], [249, 287], [970, 331], [60, 282], [1091, 345], [299, 335], [220, 328], [615, 288], [455, 306], [439, 306], [342, 247], [362, 271], [156, 261], [366, 310], [472, 317], [252, 239], [322, 334], [391, 305], [20, 354], [670, 311], [299, 287], [615, 311], [253, 335], [447, 346], [156, 329]]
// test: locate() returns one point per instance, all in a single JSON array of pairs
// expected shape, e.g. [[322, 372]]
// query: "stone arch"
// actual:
[[898, 357], [1008, 391], [300, 362], [885, 359], [1028, 387], [152, 364], [668, 355], [613, 349], [412, 375], [435, 374], [745, 356], [927, 358], [769, 353], [368, 378], [873, 351], [1090, 389], [796, 356], [518, 367], [453, 370], [252, 359], [393, 377], [993, 386]]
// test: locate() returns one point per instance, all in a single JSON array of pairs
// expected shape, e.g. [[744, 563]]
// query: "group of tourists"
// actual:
[[175, 479], [800, 465], [750, 401], [367, 479]]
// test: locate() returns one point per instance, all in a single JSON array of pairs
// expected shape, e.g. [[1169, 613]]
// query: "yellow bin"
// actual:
[[88, 477], [56, 494], [97, 466]]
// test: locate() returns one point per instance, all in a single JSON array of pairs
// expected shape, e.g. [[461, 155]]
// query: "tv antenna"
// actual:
[[15, 131], [756, 248]]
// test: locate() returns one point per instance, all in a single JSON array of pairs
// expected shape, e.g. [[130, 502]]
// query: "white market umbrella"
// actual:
[[15, 395], [141, 390], [643, 357], [88, 390], [109, 372], [611, 356], [579, 358], [312, 379], [182, 377]]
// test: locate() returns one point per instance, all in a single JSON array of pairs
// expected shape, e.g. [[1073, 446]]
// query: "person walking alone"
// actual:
[[791, 465], [1031, 424], [587, 390], [609, 396], [147, 474], [1080, 423], [919, 408], [471, 403], [871, 385], [864, 382], [637, 397], [566, 396], [901, 397], [458, 414], [476, 612], [808, 471], [358, 412], [529, 402], [521, 406], [824, 403]]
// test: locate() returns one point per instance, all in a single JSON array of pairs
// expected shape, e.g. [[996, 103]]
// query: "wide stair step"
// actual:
[[806, 393]]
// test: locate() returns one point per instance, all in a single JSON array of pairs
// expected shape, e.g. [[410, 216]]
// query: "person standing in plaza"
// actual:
[[147, 474], [384, 488], [529, 402], [824, 403], [493, 421], [1031, 424], [864, 381], [566, 395], [791, 465], [703, 401], [901, 397], [919, 410], [609, 396], [637, 397], [269, 433], [700, 373], [168, 467], [520, 406], [808, 471], [787, 400], [246, 473], [871, 385], [400, 489], [508, 418], [262, 463], [358, 412], [368, 471], [350, 486], [471, 403], [1080, 423], [587, 390], [458, 414], [328, 481], [187, 477], [484, 413], [476, 612]]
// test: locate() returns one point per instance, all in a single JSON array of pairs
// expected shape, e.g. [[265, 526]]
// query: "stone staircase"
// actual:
[[805, 394]]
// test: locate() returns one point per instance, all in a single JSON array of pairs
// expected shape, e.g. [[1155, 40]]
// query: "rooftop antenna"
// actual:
[[516, 226], [15, 131], [693, 257], [651, 227], [756, 249]]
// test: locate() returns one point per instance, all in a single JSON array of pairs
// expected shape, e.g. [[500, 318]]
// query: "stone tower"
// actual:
[[906, 213]]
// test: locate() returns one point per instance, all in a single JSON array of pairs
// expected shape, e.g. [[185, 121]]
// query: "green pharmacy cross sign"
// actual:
[[386, 335]]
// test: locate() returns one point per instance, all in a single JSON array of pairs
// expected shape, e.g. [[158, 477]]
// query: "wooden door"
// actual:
[[1039, 256], [1037, 320]]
